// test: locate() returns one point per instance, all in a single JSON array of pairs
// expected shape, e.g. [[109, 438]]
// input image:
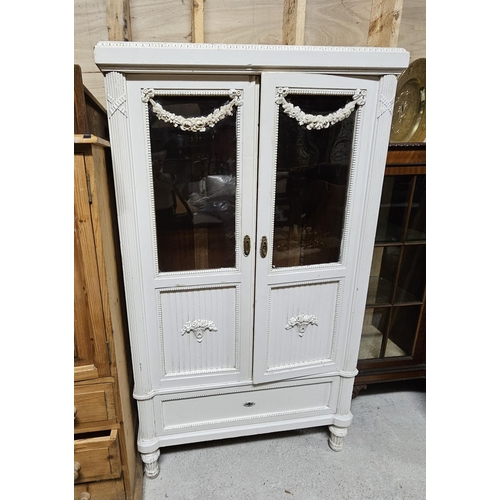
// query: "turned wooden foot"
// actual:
[[337, 435], [151, 467]]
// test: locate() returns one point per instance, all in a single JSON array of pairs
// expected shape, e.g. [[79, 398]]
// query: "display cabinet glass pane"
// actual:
[[312, 176], [393, 207], [382, 275], [416, 223], [411, 282], [374, 326], [194, 181], [403, 329]]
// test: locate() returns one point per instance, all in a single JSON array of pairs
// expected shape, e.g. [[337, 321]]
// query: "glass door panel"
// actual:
[[403, 329], [194, 181], [374, 327], [393, 207], [411, 281], [416, 224], [312, 176], [382, 275]]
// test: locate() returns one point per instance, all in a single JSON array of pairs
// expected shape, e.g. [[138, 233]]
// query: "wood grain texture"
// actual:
[[118, 20], [412, 30], [294, 19], [90, 27], [89, 298], [252, 21], [326, 22], [385, 19], [197, 17], [99, 457], [337, 22], [102, 490], [160, 21]]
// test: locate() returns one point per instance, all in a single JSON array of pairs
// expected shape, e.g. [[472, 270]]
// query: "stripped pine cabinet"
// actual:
[[248, 181]]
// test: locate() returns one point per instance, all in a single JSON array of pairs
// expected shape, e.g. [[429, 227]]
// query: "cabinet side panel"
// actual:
[[118, 118]]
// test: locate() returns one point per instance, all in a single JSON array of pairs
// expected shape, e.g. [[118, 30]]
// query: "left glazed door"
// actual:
[[193, 151]]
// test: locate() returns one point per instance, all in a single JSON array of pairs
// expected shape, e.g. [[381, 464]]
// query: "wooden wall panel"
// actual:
[[337, 22], [161, 20], [327, 22], [412, 28], [252, 21]]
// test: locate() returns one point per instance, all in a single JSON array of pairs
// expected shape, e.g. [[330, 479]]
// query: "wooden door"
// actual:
[[91, 358], [194, 177], [314, 158]]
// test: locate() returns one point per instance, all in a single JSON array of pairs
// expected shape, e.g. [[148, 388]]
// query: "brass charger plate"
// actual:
[[408, 119]]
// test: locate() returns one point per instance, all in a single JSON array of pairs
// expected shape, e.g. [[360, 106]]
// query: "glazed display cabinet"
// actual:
[[393, 338], [248, 183]]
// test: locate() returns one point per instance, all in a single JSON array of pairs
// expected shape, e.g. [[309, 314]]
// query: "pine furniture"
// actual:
[[105, 418]]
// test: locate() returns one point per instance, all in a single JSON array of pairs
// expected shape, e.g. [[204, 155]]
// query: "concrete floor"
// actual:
[[383, 458]]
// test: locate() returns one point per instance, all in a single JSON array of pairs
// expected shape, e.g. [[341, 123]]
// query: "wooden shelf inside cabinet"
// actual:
[[393, 339], [107, 465]]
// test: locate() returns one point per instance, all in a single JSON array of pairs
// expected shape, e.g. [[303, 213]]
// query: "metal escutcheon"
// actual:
[[263, 247], [246, 245]]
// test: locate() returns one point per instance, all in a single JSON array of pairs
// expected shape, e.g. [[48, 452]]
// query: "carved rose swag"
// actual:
[[198, 123]]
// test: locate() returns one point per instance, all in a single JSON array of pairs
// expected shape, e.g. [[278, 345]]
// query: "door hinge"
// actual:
[[89, 190]]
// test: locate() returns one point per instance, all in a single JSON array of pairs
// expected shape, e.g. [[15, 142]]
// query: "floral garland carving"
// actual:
[[301, 321], [197, 123], [199, 327], [319, 122]]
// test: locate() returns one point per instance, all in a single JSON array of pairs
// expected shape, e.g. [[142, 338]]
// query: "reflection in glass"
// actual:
[[194, 181], [393, 206], [416, 224], [411, 282], [312, 175], [404, 323], [382, 275], [375, 327]]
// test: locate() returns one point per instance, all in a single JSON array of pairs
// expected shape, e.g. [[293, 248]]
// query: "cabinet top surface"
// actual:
[[134, 57]]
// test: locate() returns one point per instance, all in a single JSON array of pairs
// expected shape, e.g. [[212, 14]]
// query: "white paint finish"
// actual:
[[141, 196], [223, 409], [202, 380], [268, 277], [218, 350], [286, 348], [133, 57]]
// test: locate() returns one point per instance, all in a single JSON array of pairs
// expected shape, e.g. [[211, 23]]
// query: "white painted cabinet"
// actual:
[[248, 182]]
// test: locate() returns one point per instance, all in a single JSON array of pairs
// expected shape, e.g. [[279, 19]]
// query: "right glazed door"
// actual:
[[314, 153]]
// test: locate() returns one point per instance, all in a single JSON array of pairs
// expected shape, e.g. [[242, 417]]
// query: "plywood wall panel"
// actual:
[[252, 21], [412, 28], [337, 22], [327, 22], [161, 20], [90, 27]]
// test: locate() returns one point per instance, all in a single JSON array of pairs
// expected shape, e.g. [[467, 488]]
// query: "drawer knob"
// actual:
[[77, 470], [248, 404]]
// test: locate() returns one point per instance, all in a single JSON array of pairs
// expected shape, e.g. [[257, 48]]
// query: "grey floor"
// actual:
[[383, 458]]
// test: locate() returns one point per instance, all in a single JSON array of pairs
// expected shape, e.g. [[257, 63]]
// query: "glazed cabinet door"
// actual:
[[315, 134], [194, 181]]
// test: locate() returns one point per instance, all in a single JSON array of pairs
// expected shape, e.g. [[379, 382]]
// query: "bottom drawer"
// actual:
[[191, 413], [98, 456], [101, 490]]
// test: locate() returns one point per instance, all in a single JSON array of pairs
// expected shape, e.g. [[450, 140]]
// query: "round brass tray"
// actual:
[[408, 120]]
